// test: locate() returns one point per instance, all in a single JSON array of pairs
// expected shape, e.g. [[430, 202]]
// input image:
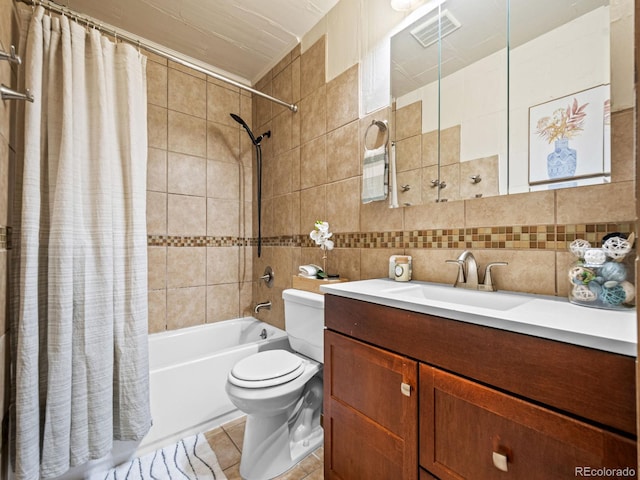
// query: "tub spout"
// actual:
[[266, 305]]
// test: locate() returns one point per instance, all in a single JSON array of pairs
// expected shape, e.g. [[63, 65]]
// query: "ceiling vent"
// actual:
[[427, 32]]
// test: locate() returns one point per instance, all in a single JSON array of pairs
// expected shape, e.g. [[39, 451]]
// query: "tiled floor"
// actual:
[[226, 442]]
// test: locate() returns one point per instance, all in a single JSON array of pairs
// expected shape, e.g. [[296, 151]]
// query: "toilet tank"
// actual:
[[304, 322]]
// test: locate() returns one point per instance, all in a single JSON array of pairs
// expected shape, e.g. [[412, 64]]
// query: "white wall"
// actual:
[[358, 31]]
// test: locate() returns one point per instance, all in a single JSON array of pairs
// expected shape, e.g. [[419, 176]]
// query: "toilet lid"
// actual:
[[266, 369]]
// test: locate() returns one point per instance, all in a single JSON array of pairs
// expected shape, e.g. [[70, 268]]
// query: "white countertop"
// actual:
[[552, 318]]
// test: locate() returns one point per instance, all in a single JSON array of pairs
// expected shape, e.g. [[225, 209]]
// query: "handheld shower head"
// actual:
[[256, 143], [254, 140]]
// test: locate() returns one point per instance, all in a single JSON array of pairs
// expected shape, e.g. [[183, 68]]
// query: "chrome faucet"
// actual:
[[467, 270], [468, 273], [259, 306]]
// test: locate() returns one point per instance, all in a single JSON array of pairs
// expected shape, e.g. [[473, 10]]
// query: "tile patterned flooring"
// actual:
[[226, 442]]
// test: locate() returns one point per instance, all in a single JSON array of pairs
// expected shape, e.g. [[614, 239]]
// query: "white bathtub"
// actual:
[[188, 371]]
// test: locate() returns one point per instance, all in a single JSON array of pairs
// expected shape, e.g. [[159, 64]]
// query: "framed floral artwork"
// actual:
[[567, 137]]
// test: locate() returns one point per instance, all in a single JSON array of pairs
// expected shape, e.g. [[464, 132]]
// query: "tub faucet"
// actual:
[[266, 305]]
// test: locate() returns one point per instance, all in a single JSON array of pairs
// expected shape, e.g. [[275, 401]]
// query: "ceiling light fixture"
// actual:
[[405, 5]]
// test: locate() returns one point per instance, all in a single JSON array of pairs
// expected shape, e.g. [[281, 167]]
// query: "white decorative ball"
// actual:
[[629, 291], [582, 293], [578, 247], [616, 247], [595, 256]]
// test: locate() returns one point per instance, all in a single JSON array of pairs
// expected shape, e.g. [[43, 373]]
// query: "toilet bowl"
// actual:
[[281, 393]]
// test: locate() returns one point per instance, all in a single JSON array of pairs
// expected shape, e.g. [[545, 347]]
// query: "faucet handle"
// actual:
[[460, 264], [488, 281]]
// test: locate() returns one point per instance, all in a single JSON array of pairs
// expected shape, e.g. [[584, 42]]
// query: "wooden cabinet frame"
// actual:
[[575, 401]]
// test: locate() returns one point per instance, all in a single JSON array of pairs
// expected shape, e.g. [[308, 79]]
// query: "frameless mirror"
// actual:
[[509, 96], [559, 94], [450, 65]]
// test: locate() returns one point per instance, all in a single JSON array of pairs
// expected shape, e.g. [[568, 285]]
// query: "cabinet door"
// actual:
[[370, 412], [471, 431]]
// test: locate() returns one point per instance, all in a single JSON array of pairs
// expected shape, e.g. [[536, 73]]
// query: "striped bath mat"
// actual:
[[190, 458]]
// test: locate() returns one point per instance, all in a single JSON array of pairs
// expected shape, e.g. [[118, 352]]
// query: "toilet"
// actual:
[[281, 392]]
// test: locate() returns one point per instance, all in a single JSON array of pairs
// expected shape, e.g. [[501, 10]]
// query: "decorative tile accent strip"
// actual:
[[197, 241], [518, 237], [592, 233]]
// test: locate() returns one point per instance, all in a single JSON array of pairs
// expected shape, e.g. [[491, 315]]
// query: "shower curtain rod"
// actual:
[[125, 36]]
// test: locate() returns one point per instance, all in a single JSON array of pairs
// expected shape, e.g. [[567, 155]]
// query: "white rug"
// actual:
[[190, 458]]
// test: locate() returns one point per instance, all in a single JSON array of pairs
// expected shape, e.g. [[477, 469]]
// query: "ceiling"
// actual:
[[242, 39]]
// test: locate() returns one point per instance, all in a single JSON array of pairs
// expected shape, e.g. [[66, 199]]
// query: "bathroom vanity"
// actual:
[[420, 387]]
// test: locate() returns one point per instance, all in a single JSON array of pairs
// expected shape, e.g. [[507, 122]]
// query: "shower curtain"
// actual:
[[79, 322]]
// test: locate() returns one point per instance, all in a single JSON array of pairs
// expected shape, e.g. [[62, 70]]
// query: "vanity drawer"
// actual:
[[468, 430]]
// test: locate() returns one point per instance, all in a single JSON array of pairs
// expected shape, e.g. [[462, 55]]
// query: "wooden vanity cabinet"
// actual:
[[468, 430], [370, 412], [490, 403]]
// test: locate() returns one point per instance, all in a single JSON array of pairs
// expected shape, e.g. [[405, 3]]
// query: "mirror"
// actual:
[[478, 111]]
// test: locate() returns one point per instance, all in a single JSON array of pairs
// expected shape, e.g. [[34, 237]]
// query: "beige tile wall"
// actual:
[[8, 76], [199, 201], [201, 206], [319, 177]]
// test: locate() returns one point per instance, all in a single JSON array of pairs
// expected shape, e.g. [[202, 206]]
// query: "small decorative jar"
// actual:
[[402, 270], [603, 277]]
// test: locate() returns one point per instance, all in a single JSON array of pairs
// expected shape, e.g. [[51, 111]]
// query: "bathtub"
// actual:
[[188, 371]]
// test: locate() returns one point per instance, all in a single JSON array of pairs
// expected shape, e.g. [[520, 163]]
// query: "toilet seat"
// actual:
[[266, 369]]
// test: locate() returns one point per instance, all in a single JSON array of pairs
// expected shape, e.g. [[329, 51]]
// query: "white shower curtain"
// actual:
[[79, 326]]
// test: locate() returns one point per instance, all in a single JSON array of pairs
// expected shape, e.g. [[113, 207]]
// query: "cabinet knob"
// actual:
[[500, 461], [405, 388]]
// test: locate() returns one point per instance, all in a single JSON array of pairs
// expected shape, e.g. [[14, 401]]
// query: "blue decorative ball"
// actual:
[[613, 296], [596, 288], [613, 271]]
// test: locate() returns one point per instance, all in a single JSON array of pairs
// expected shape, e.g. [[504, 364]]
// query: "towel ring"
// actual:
[[382, 127]]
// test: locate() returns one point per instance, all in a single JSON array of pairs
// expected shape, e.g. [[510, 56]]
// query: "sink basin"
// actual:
[[459, 296]]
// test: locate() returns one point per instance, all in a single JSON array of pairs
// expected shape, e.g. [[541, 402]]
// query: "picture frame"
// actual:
[[569, 137]]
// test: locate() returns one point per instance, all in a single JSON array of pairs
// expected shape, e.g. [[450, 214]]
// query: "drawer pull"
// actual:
[[500, 461], [405, 388]]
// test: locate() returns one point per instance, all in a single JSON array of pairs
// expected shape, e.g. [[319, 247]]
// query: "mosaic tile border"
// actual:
[[4, 240], [198, 241], [520, 237]]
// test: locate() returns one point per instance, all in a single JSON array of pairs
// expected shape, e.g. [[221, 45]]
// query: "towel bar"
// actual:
[[11, 56], [9, 94], [382, 126]]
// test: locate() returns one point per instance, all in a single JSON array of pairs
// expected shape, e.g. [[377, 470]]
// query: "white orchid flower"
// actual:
[[322, 226], [321, 235], [316, 236]]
